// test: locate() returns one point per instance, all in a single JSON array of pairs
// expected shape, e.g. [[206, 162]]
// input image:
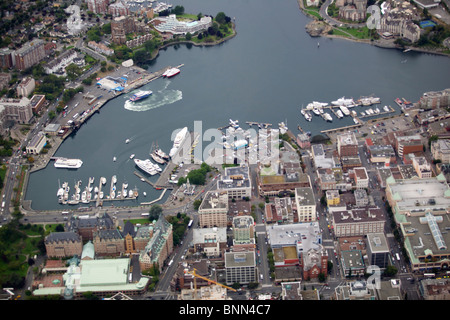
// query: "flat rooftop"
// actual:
[[305, 196], [420, 195]]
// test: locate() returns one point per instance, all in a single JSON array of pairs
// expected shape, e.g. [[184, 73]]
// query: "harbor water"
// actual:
[[265, 74]]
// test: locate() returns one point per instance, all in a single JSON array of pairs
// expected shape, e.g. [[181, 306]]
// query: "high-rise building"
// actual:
[[98, 6], [120, 26], [30, 54]]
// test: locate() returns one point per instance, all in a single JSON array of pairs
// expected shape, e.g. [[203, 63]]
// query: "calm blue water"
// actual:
[[266, 73]]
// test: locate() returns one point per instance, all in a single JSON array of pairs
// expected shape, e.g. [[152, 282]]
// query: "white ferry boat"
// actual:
[[68, 163]]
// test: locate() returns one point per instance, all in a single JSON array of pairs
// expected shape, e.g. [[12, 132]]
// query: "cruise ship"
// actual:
[[179, 138], [68, 163], [147, 166], [140, 95]]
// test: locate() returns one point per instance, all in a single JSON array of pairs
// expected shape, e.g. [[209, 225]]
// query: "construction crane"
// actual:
[[194, 273]]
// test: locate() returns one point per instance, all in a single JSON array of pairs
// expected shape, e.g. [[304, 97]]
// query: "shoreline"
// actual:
[[377, 43], [26, 204]]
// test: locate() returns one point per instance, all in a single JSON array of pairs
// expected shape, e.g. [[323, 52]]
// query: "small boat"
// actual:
[[127, 141], [144, 193], [114, 159], [132, 156]]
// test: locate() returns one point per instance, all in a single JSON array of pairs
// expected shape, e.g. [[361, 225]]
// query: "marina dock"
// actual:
[[260, 125]]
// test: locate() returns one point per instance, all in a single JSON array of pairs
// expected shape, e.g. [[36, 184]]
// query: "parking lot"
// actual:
[[80, 102]]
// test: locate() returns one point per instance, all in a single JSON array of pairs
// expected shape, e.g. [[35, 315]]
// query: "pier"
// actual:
[[156, 200], [263, 125]]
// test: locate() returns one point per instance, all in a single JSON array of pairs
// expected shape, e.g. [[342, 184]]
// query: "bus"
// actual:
[[170, 262], [144, 214], [429, 275], [190, 223], [65, 213], [397, 256]]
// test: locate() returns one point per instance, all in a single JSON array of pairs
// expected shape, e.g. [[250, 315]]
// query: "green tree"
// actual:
[[155, 211], [221, 18]]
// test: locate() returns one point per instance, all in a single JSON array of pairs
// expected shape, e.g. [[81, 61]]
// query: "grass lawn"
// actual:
[[361, 33]]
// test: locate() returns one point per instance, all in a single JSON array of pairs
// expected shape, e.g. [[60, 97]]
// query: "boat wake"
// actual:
[[157, 99]]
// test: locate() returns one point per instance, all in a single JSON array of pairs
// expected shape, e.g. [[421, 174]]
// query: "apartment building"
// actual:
[[210, 241], [29, 54], [17, 110], [120, 26], [243, 230], [435, 99], [119, 8], [306, 204], [213, 210], [26, 87], [440, 150], [98, 6], [361, 178]]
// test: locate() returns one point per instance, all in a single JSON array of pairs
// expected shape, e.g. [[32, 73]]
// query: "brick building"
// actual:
[[63, 244], [29, 54]]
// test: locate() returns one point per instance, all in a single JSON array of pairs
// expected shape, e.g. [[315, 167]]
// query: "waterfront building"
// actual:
[[236, 181], [213, 210], [435, 99], [29, 54], [139, 40], [170, 24], [17, 110], [26, 87], [86, 226], [240, 267], [210, 241], [303, 141], [36, 144], [354, 10], [63, 244], [306, 204]]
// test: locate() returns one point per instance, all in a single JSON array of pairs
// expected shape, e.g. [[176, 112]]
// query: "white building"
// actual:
[[37, 143], [18, 110], [170, 24], [306, 204], [236, 181], [26, 87], [59, 64]]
